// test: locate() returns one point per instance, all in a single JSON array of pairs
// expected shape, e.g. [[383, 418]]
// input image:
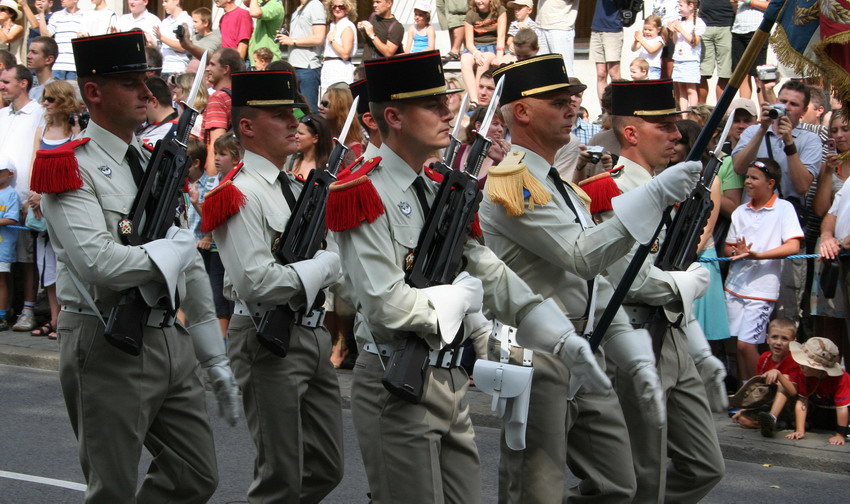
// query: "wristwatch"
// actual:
[[372, 36]]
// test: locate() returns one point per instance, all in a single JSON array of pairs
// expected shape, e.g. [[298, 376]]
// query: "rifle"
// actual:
[[302, 237], [154, 210], [741, 71], [454, 144], [438, 256]]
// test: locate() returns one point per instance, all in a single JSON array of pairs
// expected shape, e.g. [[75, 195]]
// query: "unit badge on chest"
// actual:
[[105, 170], [405, 208]]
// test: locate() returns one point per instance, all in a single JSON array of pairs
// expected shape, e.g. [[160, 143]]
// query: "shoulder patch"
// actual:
[[511, 184], [56, 170], [433, 174], [147, 145], [222, 202], [601, 189], [353, 199]]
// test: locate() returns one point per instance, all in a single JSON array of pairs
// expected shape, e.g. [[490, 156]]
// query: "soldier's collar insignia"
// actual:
[[105, 170], [405, 208]]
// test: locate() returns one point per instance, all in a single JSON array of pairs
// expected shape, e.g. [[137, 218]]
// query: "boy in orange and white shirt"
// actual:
[[765, 228]]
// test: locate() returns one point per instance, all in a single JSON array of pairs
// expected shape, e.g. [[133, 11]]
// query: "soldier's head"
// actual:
[[111, 74], [644, 119], [537, 103], [409, 102], [262, 116], [364, 115]]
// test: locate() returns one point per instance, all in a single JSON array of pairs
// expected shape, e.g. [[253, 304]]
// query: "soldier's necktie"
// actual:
[[135, 162], [419, 187], [285, 189], [559, 184]]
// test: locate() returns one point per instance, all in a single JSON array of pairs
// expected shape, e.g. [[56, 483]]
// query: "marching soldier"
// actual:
[[119, 402], [292, 402], [542, 228], [418, 446], [644, 120]]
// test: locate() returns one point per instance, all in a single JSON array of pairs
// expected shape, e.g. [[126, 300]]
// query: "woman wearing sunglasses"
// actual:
[[341, 43], [314, 142], [60, 102], [334, 107]]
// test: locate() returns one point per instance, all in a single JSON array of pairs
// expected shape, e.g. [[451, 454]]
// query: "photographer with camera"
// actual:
[[778, 136], [174, 56]]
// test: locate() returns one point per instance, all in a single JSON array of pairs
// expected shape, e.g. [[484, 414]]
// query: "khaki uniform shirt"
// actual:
[[652, 286], [83, 227], [253, 275], [550, 250], [373, 257]]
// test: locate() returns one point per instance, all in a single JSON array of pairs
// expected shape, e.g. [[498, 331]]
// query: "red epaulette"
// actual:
[[475, 229], [601, 188], [433, 174], [353, 199], [147, 145], [222, 202], [346, 172], [56, 170]]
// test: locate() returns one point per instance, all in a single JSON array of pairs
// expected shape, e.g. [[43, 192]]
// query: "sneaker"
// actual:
[[767, 422], [26, 322]]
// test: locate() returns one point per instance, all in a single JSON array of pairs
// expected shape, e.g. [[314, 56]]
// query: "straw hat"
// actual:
[[817, 353]]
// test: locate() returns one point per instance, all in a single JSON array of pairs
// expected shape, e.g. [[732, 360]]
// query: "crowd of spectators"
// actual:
[[779, 160]]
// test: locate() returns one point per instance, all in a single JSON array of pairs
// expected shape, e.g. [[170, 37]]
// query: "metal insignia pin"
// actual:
[[105, 170], [405, 208]]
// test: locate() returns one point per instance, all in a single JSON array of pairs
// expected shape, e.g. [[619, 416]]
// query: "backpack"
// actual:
[[629, 10]]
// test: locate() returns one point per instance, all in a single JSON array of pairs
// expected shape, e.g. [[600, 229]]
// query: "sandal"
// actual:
[[450, 57], [53, 335], [44, 330]]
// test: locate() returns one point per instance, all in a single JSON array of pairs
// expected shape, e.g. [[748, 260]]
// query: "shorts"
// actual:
[[46, 261], [25, 246], [490, 48], [5, 267], [740, 41], [748, 318], [606, 47], [716, 52], [686, 72], [654, 73]]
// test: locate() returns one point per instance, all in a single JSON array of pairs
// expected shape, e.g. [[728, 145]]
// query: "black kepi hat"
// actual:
[[535, 76], [360, 89], [406, 76], [647, 98], [110, 54], [264, 89]]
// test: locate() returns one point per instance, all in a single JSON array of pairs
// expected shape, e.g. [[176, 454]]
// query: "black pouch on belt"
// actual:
[[404, 375]]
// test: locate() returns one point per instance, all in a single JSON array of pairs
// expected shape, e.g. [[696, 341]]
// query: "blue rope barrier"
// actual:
[[794, 256]]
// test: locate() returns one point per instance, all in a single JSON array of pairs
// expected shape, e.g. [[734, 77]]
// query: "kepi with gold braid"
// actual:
[[406, 76], [535, 76], [110, 54], [648, 98], [361, 89], [509, 182], [265, 89]]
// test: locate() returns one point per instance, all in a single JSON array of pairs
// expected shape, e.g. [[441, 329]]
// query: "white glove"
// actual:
[[547, 329], [453, 302], [692, 285], [640, 209], [172, 255], [478, 329], [210, 352], [631, 351], [710, 368], [317, 273]]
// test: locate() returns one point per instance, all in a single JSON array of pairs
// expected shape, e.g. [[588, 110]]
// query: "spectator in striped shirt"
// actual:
[[222, 64], [63, 26]]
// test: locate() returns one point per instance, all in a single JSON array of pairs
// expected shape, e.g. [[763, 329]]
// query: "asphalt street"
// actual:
[[38, 457]]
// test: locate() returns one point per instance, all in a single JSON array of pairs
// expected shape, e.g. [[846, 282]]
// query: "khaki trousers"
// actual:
[[118, 403], [416, 453], [587, 434], [294, 413], [688, 439]]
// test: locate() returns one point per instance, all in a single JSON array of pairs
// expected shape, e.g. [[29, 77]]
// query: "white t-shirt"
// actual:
[[685, 51], [64, 26], [174, 61], [146, 22], [98, 22], [16, 133], [841, 210], [654, 59], [766, 228], [338, 29]]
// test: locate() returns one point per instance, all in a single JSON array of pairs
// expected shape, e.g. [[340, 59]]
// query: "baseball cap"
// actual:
[[745, 104], [524, 3]]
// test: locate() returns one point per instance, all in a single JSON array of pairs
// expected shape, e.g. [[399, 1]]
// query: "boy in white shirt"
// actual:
[[765, 228]]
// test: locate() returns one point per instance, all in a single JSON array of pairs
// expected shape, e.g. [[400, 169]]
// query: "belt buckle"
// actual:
[[313, 319], [166, 318]]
